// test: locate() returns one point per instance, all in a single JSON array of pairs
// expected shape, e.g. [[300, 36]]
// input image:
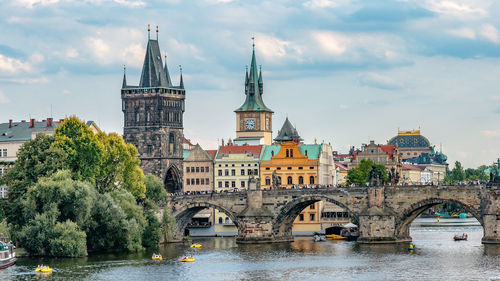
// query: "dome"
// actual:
[[409, 139]]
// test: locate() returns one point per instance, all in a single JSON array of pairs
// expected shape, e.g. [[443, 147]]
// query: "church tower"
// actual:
[[253, 118], [153, 118]]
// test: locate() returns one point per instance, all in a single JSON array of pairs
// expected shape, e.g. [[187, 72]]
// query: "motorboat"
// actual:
[[459, 237], [7, 255]]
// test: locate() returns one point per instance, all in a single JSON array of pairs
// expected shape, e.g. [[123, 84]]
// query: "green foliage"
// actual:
[[35, 236], [168, 224], [4, 229], [155, 191], [119, 167], [136, 223], [152, 233], [361, 174], [457, 173], [67, 240], [82, 147]]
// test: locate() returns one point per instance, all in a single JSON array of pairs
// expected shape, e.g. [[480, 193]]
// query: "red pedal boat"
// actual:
[[458, 237]]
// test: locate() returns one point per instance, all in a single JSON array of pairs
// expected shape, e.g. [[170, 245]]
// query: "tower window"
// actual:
[[287, 153], [137, 117], [148, 117], [150, 149], [291, 152], [171, 142]]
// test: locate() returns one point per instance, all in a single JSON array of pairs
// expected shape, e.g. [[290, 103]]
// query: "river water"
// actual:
[[437, 257]]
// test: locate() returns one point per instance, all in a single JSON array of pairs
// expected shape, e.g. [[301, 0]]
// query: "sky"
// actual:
[[343, 71]]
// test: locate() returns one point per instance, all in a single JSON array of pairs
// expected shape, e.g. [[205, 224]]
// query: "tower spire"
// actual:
[[124, 84], [181, 84], [167, 74], [156, 33], [261, 84], [149, 31]]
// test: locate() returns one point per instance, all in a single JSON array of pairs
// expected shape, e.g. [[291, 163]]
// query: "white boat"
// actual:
[[7, 255]]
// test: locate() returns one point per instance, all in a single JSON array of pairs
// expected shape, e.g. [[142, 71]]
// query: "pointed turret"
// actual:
[[246, 79], [124, 83], [288, 133], [181, 84], [153, 74], [167, 75], [253, 90], [261, 84]]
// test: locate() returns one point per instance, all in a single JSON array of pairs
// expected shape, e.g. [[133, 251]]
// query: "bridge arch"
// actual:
[[184, 215], [282, 224], [402, 227]]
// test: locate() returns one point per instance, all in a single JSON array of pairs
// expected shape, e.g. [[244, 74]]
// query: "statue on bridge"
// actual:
[[375, 176], [393, 176], [276, 180]]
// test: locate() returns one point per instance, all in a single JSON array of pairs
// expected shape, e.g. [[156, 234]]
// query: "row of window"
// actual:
[[197, 169], [242, 165], [334, 215], [249, 172], [3, 152], [233, 184], [170, 117], [154, 91], [289, 180], [289, 168], [311, 217], [203, 181]]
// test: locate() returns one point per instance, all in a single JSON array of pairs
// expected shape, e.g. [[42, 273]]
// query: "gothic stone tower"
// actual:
[[254, 118], [153, 119]]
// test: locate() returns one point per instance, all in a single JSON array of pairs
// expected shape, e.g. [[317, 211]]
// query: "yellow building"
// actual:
[[233, 165]]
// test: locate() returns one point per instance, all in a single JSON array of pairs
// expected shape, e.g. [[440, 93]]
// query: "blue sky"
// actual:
[[343, 71]]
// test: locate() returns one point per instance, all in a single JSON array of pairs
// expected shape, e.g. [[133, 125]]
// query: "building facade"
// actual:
[[410, 143], [153, 119], [387, 155]]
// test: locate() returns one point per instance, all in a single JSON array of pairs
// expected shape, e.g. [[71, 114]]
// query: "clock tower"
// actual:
[[254, 119]]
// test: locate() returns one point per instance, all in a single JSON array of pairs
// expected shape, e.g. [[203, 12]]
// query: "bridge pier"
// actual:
[[491, 214]]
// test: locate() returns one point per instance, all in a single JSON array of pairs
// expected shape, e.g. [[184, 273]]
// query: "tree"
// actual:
[[360, 175], [155, 191], [457, 173], [135, 217], [119, 167], [168, 224], [82, 147], [152, 233], [67, 240]]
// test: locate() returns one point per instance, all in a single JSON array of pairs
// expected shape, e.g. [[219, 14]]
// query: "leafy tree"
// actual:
[[119, 167], [152, 233], [168, 224], [457, 173], [82, 147], [67, 240], [361, 174], [155, 191], [135, 217], [35, 236]]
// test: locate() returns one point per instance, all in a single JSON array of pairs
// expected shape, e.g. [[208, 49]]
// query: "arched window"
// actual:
[[220, 220], [311, 179], [226, 220], [306, 152], [287, 153], [268, 181], [171, 142], [289, 180], [301, 180], [291, 152]]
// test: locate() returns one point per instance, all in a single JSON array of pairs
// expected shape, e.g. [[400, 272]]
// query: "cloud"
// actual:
[[379, 81], [491, 133], [458, 9], [274, 49], [66, 92], [130, 4], [30, 4], [330, 42], [320, 4], [489, 32], [12, 66], [3, 98], [185, 49], [343, 107], [35, 80], [467, 33]]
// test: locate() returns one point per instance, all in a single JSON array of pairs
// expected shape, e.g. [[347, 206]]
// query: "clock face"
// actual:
[[250, 124]]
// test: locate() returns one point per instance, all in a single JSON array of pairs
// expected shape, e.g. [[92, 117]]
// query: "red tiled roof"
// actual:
[[412, 167], [341, 166], [186, 141], [343, 155], [212, 153], [252, 149], [389, 149]]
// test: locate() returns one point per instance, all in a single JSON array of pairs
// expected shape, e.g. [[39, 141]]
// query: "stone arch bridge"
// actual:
[[383, 213]]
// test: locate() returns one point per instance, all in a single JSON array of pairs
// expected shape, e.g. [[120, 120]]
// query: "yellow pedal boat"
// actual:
[[196, 246], [335, 237], [187, 259], [157, 258], [43, 269]]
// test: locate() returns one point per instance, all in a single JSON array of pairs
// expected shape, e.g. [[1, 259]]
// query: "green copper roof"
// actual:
[[267, 152], [313, 151], [253, 90], [185, 154]]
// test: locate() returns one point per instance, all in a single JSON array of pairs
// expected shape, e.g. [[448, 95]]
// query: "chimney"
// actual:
[[32, 123], [49, 122], [10, 123]]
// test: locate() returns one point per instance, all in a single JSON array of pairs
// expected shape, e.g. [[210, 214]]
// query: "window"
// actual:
[[256, 172], [289, 168], [187, 169], [279, 168], [311, 217], [207, 169], [249, 172], [287, 153], [289, 179], [220, 220], [300, 168], [233, 172], [192, 169], [220, 173], [226, 220], [150, 149], [197, 169], [242, 172], [202, 169], [255, 165], [220, 184], [233, 184], [226, 172], [137, 117], [226, 184], [272, 153], [242, 184], [207, 182], [268, 181], [232, 165], [148, 117], [171, 142], [291, 152], [312, 206], [4, 152], [202, 181], [311, 179], [197, 181], [301, 180], [301, 217], [267, 169], [188, 182], [306, 152], [192, 181], [311, 168]]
